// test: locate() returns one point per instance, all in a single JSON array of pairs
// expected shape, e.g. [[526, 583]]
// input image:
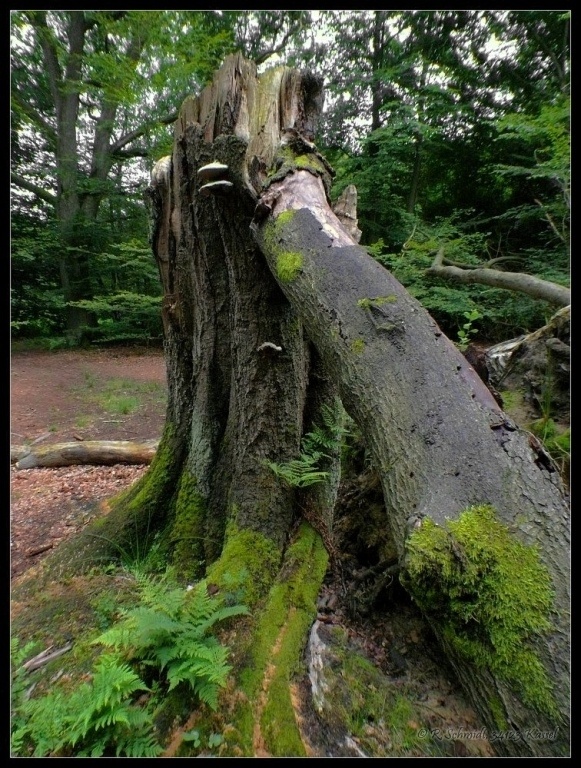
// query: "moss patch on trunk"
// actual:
[[490, 594]]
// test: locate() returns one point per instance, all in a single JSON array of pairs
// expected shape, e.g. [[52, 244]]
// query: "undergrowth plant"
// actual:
[[165, 639], [467, 330], [316, 448]]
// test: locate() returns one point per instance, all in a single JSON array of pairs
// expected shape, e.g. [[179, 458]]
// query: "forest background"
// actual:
[[453, 125]]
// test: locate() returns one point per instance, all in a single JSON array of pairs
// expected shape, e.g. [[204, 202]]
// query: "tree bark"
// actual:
[[439, 440]]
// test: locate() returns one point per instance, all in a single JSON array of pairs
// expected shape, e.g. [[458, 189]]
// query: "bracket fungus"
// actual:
[[212, 171], [213, 175], [219, 187]]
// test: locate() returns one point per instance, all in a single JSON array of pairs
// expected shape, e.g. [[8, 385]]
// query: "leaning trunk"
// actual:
[[270, 309]]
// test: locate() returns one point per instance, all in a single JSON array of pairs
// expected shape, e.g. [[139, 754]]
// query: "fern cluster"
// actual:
[[170, 631], [91, 720], [168, 635], [316, 449]]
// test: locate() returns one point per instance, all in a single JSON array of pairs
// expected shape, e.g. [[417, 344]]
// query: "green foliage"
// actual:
[[127, 296], [169, 632], [37, 304], [467, 330], [166, 638], [556, 440], [502, 314], [315, 448], [91, 720]]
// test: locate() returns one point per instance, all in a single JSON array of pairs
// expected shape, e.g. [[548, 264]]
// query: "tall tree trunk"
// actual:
[[256, 267]]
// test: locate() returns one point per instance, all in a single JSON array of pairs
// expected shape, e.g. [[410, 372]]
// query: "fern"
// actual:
[[170, 633], [317, 447], [301, 472], [94, 718]]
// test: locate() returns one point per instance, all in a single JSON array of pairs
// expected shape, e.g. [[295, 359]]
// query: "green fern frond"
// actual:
[[169, 631], [208, 693], [317, 448]]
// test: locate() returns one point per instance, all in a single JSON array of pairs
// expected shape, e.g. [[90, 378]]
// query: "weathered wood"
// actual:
[[520, 282], [439, 440], [99, 452]]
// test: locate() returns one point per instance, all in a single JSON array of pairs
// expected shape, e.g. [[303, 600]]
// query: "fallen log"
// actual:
[[88, 452]]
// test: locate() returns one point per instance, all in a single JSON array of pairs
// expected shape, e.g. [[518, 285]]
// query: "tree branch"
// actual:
[[512, 281], [138, 132], [551, 222], [484, 265], [43, 194], [29, 110]]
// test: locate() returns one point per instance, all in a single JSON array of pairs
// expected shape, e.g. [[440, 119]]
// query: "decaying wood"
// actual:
[[520, 282], [345, 210], [438, 439], [45, 656], [39, 550], [100, 452]]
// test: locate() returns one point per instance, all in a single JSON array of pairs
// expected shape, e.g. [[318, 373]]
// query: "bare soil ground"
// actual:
[[64, 396]]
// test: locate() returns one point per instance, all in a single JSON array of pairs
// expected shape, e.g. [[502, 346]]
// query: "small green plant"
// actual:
[[169, 632], [557, 442], [167, 638], [121, 404], [97, 718], [195, 738], [316, 447], [466, 330], [90, 379]]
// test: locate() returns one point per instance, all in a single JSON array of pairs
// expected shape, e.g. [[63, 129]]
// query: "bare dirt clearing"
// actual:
[[89, 395], [115, 394]]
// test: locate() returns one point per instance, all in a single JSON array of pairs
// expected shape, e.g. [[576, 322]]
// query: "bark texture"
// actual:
[[247, 392], [439, 440]]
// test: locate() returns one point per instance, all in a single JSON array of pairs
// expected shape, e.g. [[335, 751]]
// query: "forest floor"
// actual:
[[67, 396], [120, 394]]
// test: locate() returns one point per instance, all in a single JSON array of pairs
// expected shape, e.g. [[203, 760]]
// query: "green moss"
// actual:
[[285, 217], [497, 711], [278, 641], [378, 301], [288, 265], [186, 534], [512, 400], [357, 346], [490, 594], [309, 162], [247, 565]]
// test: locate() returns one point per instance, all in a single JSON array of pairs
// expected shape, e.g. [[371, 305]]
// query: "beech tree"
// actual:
[[82, 109], [275, 319]]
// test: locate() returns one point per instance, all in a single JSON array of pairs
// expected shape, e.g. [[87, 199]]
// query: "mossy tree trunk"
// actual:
[[271, 309]]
